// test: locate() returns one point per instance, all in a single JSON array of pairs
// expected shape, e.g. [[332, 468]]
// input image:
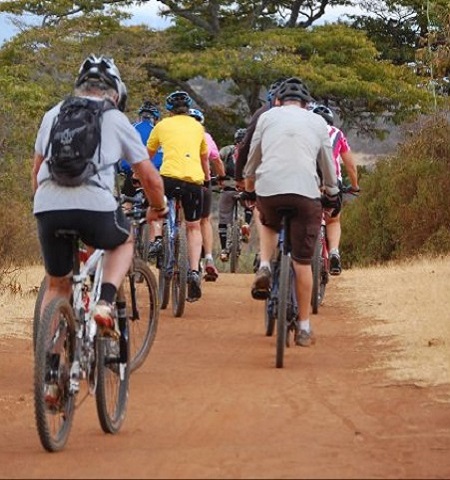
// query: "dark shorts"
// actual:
[[207, 201], [191, 197], [105, 230], [305, 224]]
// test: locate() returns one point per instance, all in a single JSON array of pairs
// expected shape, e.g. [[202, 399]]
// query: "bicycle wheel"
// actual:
[[284, 297], [269, 316], [316, 266], [113, 374], [144, 242], [37, 310], [54, 404], [235, 247], [180, 273], [142, 306], [164, 276]]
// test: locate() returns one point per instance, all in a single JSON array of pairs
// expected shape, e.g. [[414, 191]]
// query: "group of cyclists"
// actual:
[[273, 162]]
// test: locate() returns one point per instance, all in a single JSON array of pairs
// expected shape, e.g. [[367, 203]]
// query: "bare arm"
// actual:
[[350, 166], [37, 162]]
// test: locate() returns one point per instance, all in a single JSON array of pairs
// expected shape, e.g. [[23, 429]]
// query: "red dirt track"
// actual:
[[209, 403]]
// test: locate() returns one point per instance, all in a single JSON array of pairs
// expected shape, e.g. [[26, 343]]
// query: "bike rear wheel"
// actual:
[[113, 374], [180, 273], [284, 297], [142, 311], [235, 247], [316, 265], [54, 404], [37, 310], [164, 277]]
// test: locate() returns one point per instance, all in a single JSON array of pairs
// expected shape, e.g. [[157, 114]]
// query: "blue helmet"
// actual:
[[178, 99], [149, 109], [197, 114]]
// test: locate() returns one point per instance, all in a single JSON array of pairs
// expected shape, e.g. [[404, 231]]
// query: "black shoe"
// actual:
[[194, 287], [335, 264]]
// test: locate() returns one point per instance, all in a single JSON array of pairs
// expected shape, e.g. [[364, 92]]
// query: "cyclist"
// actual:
[[149, 114], [288, 144], [185, 164], [212, 273], [226, 201], [341, 152], [92, 208]]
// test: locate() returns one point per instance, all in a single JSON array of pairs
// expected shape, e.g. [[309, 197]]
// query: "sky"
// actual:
[[146, 14]]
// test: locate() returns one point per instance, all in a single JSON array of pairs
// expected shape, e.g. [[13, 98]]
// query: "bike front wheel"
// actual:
[[316, 265], [142, 307], [235, 247], [113, 374], [165, 272], [54, 403]]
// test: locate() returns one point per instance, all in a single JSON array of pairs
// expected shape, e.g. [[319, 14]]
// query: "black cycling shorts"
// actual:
[[105, 230], [191, 197]]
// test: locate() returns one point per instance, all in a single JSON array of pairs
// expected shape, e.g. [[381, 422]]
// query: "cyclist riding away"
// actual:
[[91, 207], [228, 155], [185, 165], [341, 152], [211, 272], [288, 144]]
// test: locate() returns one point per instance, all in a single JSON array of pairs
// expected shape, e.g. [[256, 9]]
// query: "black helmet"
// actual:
[[102, 69], [273, 88], [178, 99], [239, 135], [149, 109], [293, 89], [324, 112]]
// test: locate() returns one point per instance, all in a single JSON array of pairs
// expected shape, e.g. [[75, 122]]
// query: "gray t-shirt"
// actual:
[[119, 140], [288, 144]]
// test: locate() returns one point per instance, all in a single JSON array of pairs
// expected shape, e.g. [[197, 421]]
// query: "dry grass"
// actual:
[[407, 306]]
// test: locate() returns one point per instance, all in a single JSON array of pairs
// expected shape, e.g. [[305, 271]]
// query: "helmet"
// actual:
[[324, 112], [239, 135], [273, 88], [294, 89], [102, 69], [197, 114], [178, 99], [149, 109]]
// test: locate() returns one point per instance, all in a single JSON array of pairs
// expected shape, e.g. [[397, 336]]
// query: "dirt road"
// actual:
[[209, 403]]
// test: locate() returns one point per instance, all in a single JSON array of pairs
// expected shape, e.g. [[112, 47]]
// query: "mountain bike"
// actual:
[[173, 262], [282, 306], [140, 286], [69, 350]]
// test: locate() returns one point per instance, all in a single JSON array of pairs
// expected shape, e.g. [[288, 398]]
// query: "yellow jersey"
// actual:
[[182, 139]]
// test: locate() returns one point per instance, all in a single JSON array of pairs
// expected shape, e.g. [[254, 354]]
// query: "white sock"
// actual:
[[305, 325], [264, 264], [208, 256], [334, 251]]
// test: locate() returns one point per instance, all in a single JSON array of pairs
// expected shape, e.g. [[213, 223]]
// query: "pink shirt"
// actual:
[[213, 151], [340, 145]]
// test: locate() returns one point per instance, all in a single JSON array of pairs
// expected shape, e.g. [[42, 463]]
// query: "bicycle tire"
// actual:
[[142, 311], [144, 241], [234, 249], [269, 316], [54, 353], [113, 374], [284, 296], [37, 310], [180, 274], [164, 279], [316, 266]]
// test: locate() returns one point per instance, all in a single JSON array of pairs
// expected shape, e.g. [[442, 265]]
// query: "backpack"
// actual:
[[74, 138], [229, 162]]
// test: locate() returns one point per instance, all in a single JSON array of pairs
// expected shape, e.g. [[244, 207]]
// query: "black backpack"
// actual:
[[228, 162], [74, 137]]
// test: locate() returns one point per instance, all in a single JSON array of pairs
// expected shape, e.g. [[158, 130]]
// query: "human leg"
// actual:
[[333, 226], [207, 235]]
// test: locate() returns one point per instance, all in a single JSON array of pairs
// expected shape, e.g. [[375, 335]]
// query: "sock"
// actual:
[[334, 251], [208, 256], [264, 264], [108, 292], [305, 325]]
